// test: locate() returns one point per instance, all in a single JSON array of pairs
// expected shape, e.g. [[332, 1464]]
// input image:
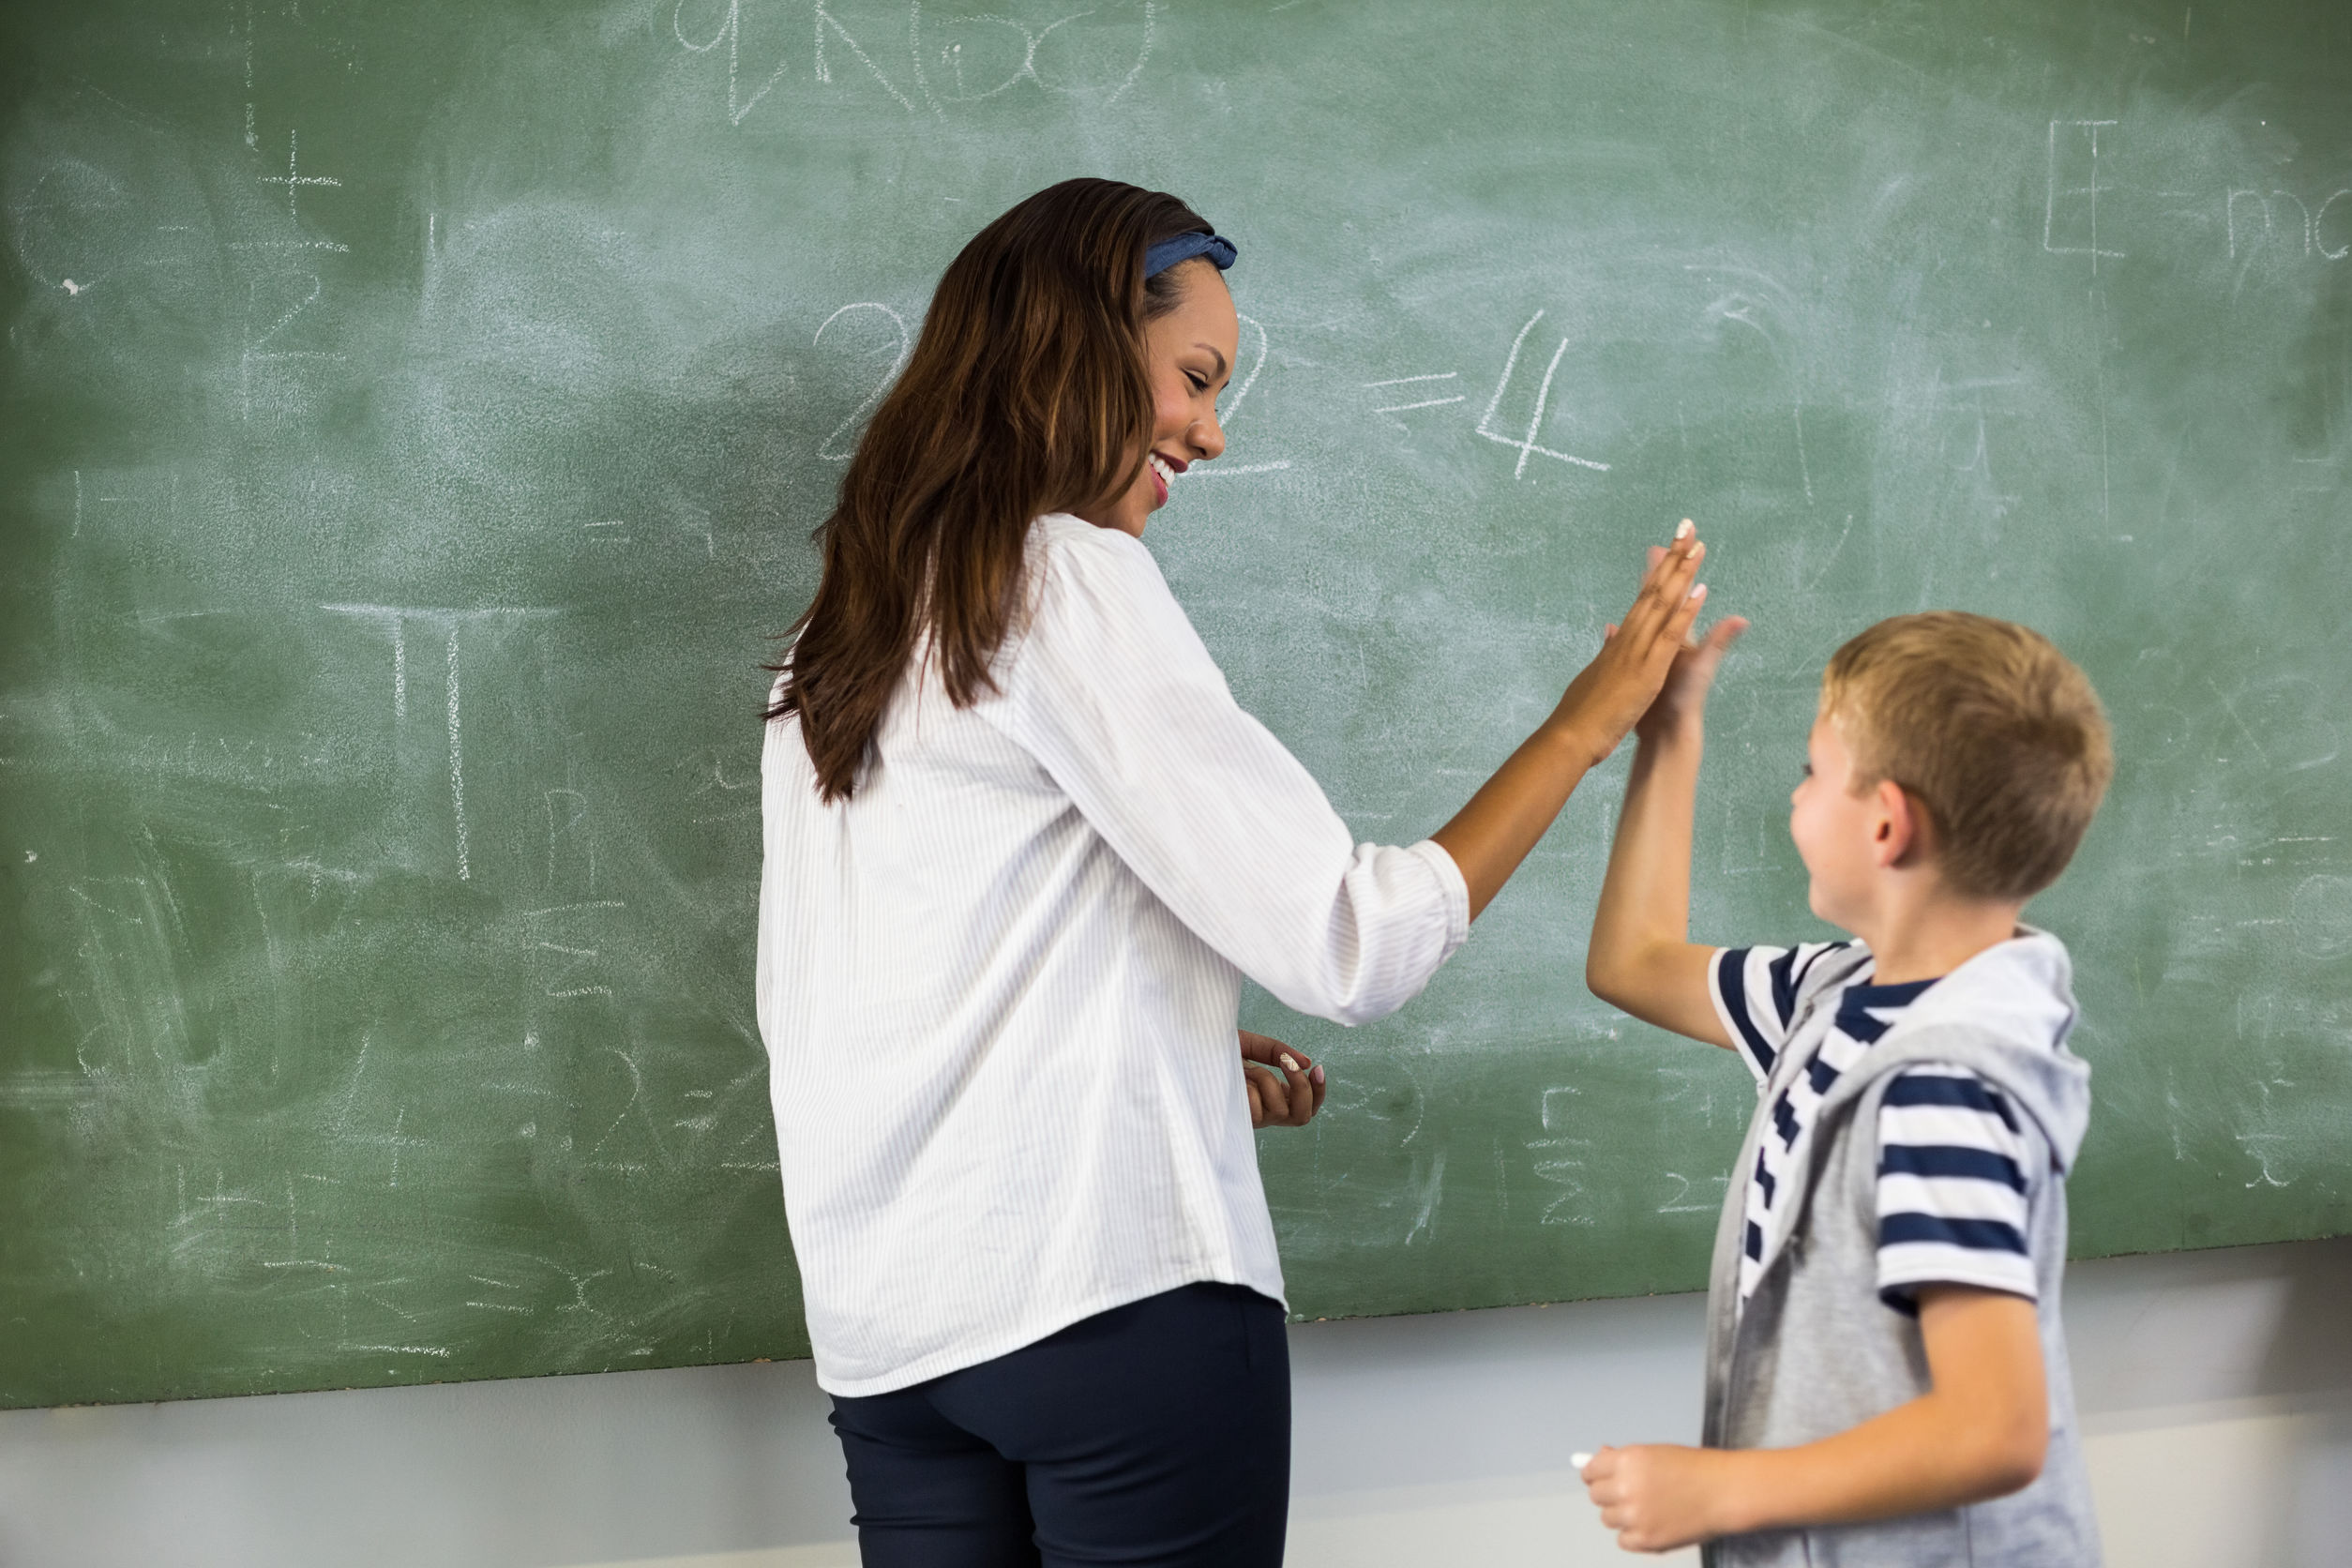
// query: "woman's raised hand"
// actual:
[[1612, 692]]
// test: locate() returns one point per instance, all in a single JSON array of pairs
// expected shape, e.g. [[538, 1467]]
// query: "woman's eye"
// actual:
[[1199, 384]]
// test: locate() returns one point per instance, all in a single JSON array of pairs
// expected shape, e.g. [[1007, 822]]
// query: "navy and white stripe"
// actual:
[[1952, 1189], [1952, 1186], [1757, 990]]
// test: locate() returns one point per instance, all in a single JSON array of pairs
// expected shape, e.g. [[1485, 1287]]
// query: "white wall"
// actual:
[[2216, 1389]]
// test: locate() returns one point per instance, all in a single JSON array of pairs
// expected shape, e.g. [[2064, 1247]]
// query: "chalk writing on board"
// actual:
[[898, 363], [1251, 324], [1678, 1204], [952, 54], [2254, 218], [731, 33], [1430, 1191], [828, 24], [947, 55], [281, 301], [1412, 387], [1525, 445], [252, 138], [1560, 1160], [393, 619], [1233, 471], [944, 68], [257, 350], [2070, 211], [295, 180]]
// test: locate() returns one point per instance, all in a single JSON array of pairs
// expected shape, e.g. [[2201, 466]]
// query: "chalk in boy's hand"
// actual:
[[1887, 1269]]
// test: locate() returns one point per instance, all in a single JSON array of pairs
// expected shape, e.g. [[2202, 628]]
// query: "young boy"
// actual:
[[1886, 1377]]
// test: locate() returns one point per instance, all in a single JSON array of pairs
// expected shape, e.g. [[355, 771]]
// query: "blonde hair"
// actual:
[[1989, 729]]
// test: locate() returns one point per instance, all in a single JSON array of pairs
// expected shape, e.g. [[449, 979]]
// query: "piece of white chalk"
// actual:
[[1580, 1460]]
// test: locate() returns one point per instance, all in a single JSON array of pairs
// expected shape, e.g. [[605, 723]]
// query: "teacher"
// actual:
[[1022, 848]]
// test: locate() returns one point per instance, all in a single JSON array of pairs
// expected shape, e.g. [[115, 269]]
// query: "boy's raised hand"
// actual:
[[1683, 699], [1610, 695]]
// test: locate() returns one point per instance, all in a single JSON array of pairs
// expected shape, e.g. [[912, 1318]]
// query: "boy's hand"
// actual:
[[1286, 1087], [1660, 1496], [1981, 1430], [1682, 699], [1605, 699]]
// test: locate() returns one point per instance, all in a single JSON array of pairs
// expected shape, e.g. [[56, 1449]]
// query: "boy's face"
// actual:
[[1840, 832]]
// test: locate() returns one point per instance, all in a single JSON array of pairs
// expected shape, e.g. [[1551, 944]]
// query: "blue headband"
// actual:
[[1183, 247]]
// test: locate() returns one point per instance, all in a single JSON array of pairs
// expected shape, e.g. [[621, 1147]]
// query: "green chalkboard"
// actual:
[[413, 420]]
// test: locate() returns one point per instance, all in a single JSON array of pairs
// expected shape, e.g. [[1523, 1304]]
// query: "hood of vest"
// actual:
[[2004, 1015]]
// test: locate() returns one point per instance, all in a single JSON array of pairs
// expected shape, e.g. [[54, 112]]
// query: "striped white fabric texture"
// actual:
[[999, 984], [1952, 1189]]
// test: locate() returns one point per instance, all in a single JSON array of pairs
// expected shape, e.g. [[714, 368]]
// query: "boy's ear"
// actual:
[[1896, 828]]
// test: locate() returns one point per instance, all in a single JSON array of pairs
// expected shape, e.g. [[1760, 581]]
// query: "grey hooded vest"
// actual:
[[1816, 1351]]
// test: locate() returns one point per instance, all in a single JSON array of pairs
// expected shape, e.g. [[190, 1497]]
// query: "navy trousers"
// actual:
[[1156, 1435]]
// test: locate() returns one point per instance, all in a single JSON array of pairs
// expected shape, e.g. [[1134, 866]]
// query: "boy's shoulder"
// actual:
[[2005, 1016], [2020, 990], [1764, 993]]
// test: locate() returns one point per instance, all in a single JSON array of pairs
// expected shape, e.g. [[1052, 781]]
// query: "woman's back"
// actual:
[[1001, 1023]]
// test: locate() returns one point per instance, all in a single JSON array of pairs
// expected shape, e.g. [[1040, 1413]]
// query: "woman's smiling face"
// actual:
[[1188, 354]]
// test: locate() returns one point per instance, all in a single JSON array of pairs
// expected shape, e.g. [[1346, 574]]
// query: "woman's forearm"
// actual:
[[1511, 811]]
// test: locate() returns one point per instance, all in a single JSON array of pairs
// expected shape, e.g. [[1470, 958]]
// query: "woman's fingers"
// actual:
[[1661, 561], [1302, 1087], [1664, 561], [1665, 591], [1676, 636], [1613, 692], [1286, 1087], [1270, 1096], [1262, 1048], [1675, 585]]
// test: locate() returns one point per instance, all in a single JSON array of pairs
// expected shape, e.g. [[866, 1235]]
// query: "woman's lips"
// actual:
[[1163, 471]]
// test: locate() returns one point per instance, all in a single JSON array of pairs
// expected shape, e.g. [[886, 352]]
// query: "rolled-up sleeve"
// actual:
[[1112, 691]]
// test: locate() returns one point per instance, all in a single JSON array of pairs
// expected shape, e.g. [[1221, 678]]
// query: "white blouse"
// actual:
[[999, 984]]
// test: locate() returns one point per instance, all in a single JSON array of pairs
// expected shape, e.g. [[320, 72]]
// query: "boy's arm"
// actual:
[[1980, 1432], [1641, 958]]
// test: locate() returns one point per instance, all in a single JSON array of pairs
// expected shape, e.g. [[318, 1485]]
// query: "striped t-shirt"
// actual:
[[1951, 1185]]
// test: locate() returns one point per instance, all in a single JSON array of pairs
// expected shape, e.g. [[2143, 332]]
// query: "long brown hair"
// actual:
[[1026, 394]]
